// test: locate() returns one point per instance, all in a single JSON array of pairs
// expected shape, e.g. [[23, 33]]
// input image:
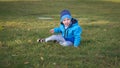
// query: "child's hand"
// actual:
[[52, 31]]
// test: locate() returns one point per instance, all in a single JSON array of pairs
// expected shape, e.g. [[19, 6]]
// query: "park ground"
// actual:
[[22, 23]]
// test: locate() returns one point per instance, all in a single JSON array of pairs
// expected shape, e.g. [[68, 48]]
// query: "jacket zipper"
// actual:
[[65, 33]]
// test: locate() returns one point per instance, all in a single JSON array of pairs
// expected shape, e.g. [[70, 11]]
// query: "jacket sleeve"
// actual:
[[77, 36], [57, 30]]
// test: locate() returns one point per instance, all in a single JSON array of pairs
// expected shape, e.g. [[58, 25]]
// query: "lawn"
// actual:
[[21, 25]]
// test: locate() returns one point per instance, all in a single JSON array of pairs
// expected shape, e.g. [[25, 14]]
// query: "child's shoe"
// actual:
[[41, 40]]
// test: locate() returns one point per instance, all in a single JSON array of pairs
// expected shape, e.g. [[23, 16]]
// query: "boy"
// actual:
[[69, 29]]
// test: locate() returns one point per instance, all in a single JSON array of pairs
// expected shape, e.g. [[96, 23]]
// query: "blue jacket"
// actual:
[[72, 33]]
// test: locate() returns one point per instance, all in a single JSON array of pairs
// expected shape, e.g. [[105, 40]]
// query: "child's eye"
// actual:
[[64, 20], [68, 19]]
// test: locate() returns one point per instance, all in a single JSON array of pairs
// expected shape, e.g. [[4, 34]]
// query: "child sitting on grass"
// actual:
[[70, 31]]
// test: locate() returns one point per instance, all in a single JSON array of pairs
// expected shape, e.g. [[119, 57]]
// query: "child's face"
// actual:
[[66, 21]]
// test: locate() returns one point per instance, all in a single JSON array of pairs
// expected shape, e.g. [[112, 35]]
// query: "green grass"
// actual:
[[20, 27]]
